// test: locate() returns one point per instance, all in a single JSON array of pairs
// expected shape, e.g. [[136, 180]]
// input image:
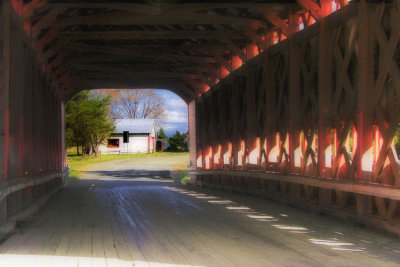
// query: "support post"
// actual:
[[3, 211], [365, 109], [4, 88], [324, 93], [192, 138], [294, 102]]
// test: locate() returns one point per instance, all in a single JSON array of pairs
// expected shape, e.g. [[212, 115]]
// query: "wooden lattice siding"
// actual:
[[323, 103]]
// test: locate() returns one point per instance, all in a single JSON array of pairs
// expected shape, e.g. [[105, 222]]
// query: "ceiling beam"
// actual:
[[46, 21], [127, 18], [29, 9], [159, 8], [129, 53], [318, 11], [130, 70], [273, 17], [103, 71], [236, 50], [151, 35]]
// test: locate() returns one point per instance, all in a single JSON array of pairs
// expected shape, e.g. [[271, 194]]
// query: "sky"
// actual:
[[176, 113]]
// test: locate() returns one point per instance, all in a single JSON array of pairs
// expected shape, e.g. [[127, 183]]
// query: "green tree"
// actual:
[[178, 141], [161, 134], [87, 122], [396, 140]]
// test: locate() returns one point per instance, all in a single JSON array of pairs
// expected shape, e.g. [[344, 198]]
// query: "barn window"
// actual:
[[113, 143]]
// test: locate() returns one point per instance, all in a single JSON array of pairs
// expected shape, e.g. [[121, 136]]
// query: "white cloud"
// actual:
[[176, 103], [176, 116], [168, 127]]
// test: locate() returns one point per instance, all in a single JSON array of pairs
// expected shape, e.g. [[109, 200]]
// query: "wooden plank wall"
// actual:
[[30, 117], [323, 103]]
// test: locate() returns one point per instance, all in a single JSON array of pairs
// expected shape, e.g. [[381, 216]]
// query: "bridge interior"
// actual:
[[296, 101]]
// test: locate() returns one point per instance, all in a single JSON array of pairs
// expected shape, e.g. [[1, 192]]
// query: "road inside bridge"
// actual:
[[130, 213]]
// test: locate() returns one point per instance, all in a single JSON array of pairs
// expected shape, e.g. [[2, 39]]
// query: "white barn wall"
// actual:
[[141, 137], [137, 144]]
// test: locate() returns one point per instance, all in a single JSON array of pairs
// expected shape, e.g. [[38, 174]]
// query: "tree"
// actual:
[[161, 134], [178, 141], [396, 140], [135, 103], [87, 122]]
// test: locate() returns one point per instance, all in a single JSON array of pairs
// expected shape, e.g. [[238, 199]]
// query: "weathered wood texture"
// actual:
[[183, 46], [142, 219], [322, 103], [30, 120]]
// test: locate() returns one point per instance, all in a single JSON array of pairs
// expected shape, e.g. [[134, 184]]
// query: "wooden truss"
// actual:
[[323, 104], [167, 37]]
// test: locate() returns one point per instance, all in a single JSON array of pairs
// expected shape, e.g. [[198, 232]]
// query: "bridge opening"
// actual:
[[126, 121]]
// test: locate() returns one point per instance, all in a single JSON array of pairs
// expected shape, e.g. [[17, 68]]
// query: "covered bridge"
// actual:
[[295, 100]]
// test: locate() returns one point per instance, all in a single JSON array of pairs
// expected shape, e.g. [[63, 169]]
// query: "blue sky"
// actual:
[[176, 112]]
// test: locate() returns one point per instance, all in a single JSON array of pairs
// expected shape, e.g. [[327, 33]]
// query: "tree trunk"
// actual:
[[77, 149]]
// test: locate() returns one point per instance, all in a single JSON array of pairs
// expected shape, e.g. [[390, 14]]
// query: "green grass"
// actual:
[[181, 175], [79, 164]]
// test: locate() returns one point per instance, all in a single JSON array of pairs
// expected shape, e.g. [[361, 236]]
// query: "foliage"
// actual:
[[161, 134], [396, 140], [134, 103], [87, 122], [178, 141], [185, 180]]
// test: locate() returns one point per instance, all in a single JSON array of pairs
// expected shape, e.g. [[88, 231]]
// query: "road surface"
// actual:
[[130, 213]]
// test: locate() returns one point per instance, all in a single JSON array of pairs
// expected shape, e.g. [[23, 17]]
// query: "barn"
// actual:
[[141, 139]]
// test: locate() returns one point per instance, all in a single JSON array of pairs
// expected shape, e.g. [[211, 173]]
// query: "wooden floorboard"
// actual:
[[119, 216]]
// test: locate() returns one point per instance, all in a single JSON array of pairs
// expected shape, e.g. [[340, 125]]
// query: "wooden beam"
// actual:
[[176, 87], [41, 43], [236, 50], [277, 21], [390, 192], [223, 62], [118, 73], [46, 21], [128, 18], [29, 9], [130, 53], [209, 47], [151, 35], [123, 69], [127, 62], [159, 8], [256, 38], [318, 11]]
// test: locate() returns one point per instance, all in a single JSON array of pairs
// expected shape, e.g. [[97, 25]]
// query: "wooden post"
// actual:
[[294, 101], [4, 88], [3, 211], [16, 90], [192, 137], [294, 94], [365, 109], [324, 103]]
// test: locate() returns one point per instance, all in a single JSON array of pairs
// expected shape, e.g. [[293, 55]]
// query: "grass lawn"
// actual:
[[79, 164]]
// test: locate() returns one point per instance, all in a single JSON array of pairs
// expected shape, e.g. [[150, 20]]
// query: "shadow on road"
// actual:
[[133, 174]]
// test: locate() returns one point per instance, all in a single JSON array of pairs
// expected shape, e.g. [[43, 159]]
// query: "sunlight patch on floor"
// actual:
[[337, 245], [289, 227], [333, 243], [265, 217], [220, 201], [237, 208]]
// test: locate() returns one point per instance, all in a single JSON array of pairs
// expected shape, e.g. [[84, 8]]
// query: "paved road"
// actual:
[[130, 213]]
